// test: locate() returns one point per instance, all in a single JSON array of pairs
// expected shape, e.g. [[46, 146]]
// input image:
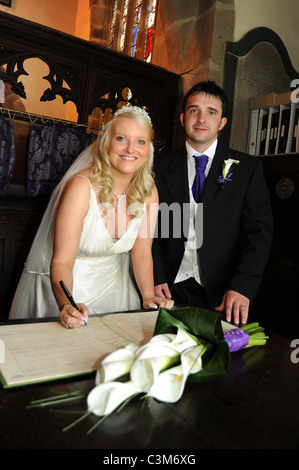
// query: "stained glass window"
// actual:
[[150, 29], [124, 26], [136, 25], [112, 29], [137, 10]]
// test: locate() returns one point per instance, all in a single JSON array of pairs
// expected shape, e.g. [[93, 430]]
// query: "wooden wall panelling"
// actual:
[[85, 65]]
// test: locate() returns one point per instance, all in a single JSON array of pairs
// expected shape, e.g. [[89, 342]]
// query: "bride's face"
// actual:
[[129, 145]]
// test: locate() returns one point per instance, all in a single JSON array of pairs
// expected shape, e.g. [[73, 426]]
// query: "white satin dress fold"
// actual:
[[101, 273]]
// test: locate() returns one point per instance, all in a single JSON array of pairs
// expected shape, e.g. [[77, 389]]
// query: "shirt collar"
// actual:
[[210, 152]]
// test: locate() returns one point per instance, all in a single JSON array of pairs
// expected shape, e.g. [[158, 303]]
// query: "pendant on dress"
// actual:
[[119, 198]]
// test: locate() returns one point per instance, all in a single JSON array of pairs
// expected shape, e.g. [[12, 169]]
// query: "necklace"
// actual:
[[119, 198]]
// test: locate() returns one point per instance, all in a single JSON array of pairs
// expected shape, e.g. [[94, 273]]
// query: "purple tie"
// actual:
[[200, 177]]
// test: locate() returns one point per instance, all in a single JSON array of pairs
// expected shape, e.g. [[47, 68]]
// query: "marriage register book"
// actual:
[[45, 351]]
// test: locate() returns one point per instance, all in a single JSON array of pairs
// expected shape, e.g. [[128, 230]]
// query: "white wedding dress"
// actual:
[[101, 274]]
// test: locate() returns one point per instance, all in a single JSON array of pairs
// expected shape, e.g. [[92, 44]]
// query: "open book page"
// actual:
[[35, 352]]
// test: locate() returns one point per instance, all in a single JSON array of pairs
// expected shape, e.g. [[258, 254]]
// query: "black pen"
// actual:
[[70, 298]]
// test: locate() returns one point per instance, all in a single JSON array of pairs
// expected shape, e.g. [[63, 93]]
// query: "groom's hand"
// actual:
[[235, 305], [162, 290]]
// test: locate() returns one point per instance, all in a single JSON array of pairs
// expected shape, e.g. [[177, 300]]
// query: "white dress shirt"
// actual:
[[190, 266]]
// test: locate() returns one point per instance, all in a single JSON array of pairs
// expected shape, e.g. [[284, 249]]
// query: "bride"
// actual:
[[98, 225]]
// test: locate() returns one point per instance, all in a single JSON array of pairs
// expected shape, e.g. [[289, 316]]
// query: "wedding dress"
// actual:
[[101, 274]]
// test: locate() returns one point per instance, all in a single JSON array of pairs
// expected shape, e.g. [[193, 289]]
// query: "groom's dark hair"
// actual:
[[209, 88]]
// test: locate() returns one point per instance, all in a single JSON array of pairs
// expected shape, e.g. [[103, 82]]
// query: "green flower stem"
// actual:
[[55, 402], [96, 425], [63, 398], [127, 401], [257, 342], [256, 334], [252, 328], [67, 428], [106, 416]]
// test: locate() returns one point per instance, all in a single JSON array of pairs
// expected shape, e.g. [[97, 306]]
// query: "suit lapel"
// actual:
[[176, 176], [176, 179], [212, 187]]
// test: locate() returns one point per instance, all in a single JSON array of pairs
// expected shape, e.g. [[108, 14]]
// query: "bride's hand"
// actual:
[[157, 302], [73, 318]]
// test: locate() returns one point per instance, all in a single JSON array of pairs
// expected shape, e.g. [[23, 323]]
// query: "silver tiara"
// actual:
[[136, 109]]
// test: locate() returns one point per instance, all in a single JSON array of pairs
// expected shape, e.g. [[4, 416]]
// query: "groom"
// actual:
[[224, 273]]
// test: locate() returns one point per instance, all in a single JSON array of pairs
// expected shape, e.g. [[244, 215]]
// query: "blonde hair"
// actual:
[[142, 183]]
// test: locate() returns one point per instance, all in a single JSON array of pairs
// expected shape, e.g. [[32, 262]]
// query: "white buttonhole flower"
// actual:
[[227, 164]]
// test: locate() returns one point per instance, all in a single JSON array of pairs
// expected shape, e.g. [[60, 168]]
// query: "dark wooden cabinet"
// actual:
[[276, 304], [17, 230]]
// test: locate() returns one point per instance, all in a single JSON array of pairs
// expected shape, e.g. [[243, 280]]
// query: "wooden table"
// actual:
[[254, 407]]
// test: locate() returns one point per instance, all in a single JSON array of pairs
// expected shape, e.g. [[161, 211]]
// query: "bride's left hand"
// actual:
[[157, 302]]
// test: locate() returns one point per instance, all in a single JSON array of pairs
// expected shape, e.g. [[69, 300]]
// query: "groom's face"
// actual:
[[202, 120]]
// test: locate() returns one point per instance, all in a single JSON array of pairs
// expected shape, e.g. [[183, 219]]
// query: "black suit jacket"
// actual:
[[237, 224]]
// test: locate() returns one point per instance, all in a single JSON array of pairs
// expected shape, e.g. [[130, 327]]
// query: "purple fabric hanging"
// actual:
[[52, 150], [7, 154]]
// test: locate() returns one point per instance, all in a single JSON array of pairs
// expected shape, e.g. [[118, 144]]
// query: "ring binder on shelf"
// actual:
[[273, 125]]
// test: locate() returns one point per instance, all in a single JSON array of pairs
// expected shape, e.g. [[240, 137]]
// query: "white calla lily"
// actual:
[[144, 372], [192, 358], [149, 362], [163, 338], [150, 371], [107, 397], [227, 165], [152, 350], [170, 384], [183, 340], [117, 364]]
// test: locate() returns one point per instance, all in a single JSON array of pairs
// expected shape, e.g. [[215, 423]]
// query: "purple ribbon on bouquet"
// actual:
[[236, 339]]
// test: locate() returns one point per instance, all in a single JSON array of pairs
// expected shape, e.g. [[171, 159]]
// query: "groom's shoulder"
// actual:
[[163, 159]]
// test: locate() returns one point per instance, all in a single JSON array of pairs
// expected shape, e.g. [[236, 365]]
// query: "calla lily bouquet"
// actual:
[[188, 345]]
